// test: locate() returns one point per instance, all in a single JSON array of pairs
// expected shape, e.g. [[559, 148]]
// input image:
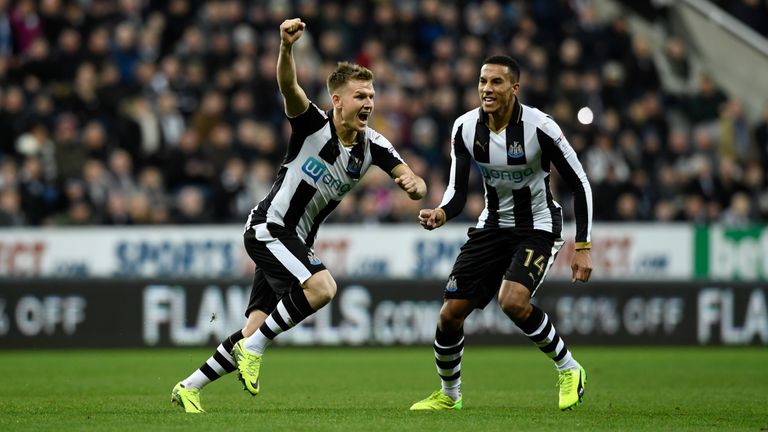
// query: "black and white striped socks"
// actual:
[[290, 311], [539, 328], [218, 365], [449, 347]]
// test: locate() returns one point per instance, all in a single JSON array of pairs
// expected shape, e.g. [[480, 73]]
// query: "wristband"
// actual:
[[445, 217], [583, 245]]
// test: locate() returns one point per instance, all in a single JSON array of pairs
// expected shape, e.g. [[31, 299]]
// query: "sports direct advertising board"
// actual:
[[620, 251]]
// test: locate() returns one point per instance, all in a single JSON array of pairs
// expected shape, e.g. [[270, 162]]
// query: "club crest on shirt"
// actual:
[[313, 259], [354, 166], [515, 150], [451, 286]]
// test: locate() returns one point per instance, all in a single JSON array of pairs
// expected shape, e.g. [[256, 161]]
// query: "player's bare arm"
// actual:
[[295, 100], [408, 181], [432, 218], [581, 265]]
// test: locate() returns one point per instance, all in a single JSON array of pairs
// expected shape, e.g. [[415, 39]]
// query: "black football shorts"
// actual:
[[491, 255], [283, 263]]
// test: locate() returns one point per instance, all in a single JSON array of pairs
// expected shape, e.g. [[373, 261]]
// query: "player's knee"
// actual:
[[322, 289], [515, 302], [327, 291], [453, 313], [450, 321], [517, 310]]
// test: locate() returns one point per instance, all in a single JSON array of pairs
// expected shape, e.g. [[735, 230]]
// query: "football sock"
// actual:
[[218, 365], [542, 332], [449, 347], [290, 311]]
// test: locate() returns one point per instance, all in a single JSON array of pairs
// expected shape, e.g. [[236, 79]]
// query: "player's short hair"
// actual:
[[507, 61], [345, 72]]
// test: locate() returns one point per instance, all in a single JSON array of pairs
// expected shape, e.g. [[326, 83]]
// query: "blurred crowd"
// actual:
[[118, 112], [753, 13]]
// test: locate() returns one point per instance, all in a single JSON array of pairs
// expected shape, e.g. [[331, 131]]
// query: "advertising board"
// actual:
[[620, 251], [110, 313], [731, 253]]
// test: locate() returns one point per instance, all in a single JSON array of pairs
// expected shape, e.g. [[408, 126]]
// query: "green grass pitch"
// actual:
[[348, 389]]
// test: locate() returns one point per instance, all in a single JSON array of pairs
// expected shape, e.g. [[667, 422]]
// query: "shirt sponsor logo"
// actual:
[[516, 176], [318, 172], [313, 168]]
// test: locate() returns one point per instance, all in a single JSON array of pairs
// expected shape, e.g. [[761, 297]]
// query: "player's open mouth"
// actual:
[[363, 116]]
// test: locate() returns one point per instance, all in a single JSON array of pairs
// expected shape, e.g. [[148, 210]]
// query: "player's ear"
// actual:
[[336, 100]]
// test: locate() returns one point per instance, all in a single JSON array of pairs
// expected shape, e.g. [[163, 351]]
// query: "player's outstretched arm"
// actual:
[[408, 181], [432, 218], [296, 101]]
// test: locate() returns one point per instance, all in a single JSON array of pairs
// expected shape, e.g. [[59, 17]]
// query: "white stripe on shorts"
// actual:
[[278, 249], [553, 254]]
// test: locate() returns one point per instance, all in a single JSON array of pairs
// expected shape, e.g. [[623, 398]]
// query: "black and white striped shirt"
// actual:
[[515, 166], [317, 172]]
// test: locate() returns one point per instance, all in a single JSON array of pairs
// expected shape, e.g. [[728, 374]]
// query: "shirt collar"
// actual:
[[517, 113], [359, 138]]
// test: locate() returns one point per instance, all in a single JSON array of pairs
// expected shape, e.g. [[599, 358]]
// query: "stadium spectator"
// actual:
[[13, 119], [188, 164], [219, 147], [96, 142], [70, 155], [9, 174], [259, 181], [735, 138], [6, 38], [37, 143], [190, 207], [10, 208], [25, 25], [171, 121], [117, 209], [97, 185], [38, 196], [677, 56], [78, 213], [139, 211], [704, 105], [664, 211], [739, 211], [761, 137], [121, 172], [230, 193], [68, 54]]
